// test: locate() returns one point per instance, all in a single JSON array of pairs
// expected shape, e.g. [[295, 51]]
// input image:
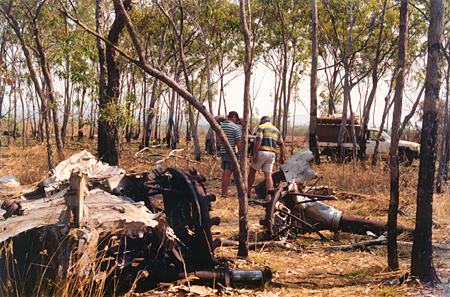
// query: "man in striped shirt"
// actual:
[[268, 140], [233, 132]]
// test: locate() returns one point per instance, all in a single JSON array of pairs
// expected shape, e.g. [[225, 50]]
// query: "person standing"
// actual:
[[268, 140], [233, 131]]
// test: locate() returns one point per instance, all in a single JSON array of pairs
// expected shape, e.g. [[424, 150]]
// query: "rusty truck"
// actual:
[[328, 131]]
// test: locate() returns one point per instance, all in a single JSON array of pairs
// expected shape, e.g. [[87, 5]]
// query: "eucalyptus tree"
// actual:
[[38, 14], [393, 149], [444, 156], [349, 33], [284, 48], [10, 12], [74, 63], [313, 146], [109, 84], [218, 23], [422, 252]]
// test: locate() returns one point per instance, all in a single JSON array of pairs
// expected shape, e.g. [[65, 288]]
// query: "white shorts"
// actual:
[[264, 160]]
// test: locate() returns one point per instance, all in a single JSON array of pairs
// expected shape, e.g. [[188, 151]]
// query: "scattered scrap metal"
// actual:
[[94, 222], [295, 208]]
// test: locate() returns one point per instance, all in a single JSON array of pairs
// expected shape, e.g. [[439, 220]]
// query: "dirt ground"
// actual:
[[314, 271]]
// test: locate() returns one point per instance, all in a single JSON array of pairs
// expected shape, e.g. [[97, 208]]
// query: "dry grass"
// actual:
[[309, 273]]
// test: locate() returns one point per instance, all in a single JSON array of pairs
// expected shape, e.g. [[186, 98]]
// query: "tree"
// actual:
[[109, 86], [422, 252], [375, 78], [6, 10], [248, 60], [142, 63], [442, 175], [48, 77], [393, 149], [313, 84]]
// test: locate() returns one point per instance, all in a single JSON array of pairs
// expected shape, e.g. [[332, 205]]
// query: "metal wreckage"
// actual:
[[95, 223]]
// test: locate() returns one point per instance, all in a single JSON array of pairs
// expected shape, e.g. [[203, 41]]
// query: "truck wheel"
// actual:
[[409, 157]]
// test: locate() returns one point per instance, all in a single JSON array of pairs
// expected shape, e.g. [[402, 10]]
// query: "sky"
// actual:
[[262, 87]]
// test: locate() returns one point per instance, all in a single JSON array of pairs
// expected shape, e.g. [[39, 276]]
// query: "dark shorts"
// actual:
[[225, 163]]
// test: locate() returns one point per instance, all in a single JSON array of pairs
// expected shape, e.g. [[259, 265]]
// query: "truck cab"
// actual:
[[407, 150]]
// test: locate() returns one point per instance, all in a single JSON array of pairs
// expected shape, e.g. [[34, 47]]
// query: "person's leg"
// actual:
[[269, 181], [267, 169], [256, 165], [225, 181], [251, 179]]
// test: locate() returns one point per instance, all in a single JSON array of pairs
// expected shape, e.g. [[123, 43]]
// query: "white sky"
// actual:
[[262, 79]]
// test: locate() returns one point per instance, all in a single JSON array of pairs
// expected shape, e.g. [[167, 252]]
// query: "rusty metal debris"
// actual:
[[295, 208], [90, 221]]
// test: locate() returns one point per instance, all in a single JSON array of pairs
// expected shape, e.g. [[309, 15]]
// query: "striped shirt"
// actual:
[[233, 133], [269, 136]]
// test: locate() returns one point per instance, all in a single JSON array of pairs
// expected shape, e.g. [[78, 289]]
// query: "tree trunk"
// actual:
[[102, 80], [347, 88], [387, 106], [275, 98], [24, 131], [92, 120], [14, 123], [80, 133], [151, 113], [242, 195], [194, 133], [208, 73], [422, 252], [45, 67], [67, 95], [179, 35], [393, 150], [143, 64], [444, 156], [366, 113], [170, 133], [313, 146], [108, 130]]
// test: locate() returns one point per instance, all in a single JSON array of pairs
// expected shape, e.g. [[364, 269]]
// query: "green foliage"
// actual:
[[116, 113]]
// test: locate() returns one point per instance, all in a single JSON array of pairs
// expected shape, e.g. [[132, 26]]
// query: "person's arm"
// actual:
[[281, 145], [238, 138], [281, 159], [258, 141], [256, 148]]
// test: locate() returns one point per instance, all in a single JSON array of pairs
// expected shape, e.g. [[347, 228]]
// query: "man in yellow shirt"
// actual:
[[268, 140]]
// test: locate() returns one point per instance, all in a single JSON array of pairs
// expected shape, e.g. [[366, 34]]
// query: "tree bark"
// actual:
[[102, 79], [393, 150], [248, 61], [67, 95], [108, 130], [80, 133], [422, 252], [387, 106], [444, 156], [313, 147]]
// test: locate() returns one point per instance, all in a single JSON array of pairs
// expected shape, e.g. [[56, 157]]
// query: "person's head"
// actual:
[[233, 116], [264, 119]]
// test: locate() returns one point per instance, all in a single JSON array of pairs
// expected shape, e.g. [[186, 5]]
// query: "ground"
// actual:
[[363, 191]]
